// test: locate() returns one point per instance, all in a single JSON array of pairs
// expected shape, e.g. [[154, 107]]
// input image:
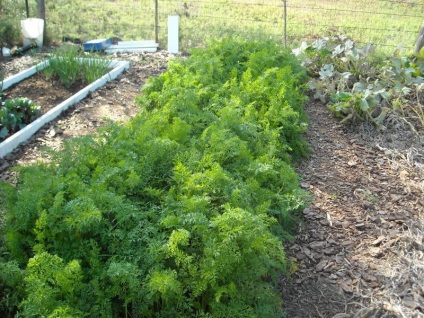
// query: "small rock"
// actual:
[[52, 133]]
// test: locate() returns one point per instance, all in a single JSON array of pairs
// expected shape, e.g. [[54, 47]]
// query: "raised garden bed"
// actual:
[[21, 136]]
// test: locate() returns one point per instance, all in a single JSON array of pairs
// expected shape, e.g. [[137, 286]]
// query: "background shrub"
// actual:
[[10, 29]]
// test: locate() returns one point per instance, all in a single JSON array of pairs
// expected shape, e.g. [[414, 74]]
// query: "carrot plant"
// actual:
[[184, 212]]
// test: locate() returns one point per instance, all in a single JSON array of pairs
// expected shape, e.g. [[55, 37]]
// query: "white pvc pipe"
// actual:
[[173, 45]]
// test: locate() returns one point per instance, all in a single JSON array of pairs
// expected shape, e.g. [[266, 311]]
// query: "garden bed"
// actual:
[[42, 92], [13, 141]]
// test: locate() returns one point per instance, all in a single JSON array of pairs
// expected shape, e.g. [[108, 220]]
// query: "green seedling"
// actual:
[[15, 114]]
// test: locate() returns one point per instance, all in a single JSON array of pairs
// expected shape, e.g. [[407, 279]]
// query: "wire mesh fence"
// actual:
[[90, 19], [383, 22], [386, 23]]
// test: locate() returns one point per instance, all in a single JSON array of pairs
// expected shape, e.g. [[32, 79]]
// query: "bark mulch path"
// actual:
[[360, 249]]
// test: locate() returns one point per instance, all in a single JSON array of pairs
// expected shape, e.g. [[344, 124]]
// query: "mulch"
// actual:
[[360, 249]]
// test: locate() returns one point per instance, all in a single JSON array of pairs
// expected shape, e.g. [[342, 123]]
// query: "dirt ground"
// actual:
[[360, 248]]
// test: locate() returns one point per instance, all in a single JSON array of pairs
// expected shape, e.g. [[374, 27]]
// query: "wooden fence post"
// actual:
[[156, 21], [420, 39], [285, 23]]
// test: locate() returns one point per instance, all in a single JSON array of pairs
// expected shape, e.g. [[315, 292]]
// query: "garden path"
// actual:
[[360, 249]]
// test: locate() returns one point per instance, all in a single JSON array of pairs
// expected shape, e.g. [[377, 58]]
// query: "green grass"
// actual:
[[384, 22], [378, 21]]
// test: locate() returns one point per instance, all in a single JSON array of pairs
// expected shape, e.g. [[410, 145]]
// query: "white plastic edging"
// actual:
[[21, 136], [130, 50], [24, 74], [133, 46], [146, 43]]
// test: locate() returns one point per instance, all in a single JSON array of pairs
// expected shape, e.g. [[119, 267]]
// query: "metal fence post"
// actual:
[[157, 21], [27, 8]]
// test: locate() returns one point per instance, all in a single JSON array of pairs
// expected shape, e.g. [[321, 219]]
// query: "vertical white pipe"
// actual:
[[173, 45], [285, 24]]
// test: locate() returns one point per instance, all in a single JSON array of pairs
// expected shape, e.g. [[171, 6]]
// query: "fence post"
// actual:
[[27, 8], [420, 39], [41, 14], [156, 21], [285, 23]]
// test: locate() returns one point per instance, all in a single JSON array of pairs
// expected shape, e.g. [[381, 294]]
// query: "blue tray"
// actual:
[[97, 45]]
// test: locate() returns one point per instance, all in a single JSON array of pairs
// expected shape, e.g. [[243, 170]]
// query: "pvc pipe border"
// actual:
[[11, 143]]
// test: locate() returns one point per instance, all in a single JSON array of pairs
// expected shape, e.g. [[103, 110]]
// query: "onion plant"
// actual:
[[70, 65]]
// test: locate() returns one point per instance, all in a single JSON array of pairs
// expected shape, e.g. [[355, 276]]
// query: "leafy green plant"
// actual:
[[11, 287], [184, 213], [354, 86], [15, 114]]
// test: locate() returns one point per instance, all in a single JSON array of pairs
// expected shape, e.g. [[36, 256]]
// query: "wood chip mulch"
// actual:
[[360, 250]]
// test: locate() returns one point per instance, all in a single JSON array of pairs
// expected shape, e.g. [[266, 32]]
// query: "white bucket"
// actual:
[[5, 51], [32, 31]]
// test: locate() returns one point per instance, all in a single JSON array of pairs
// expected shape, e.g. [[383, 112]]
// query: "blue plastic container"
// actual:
[[97, 45]]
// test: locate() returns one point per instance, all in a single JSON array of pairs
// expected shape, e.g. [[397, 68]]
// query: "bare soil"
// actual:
[[360, 248], [48, 93]]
